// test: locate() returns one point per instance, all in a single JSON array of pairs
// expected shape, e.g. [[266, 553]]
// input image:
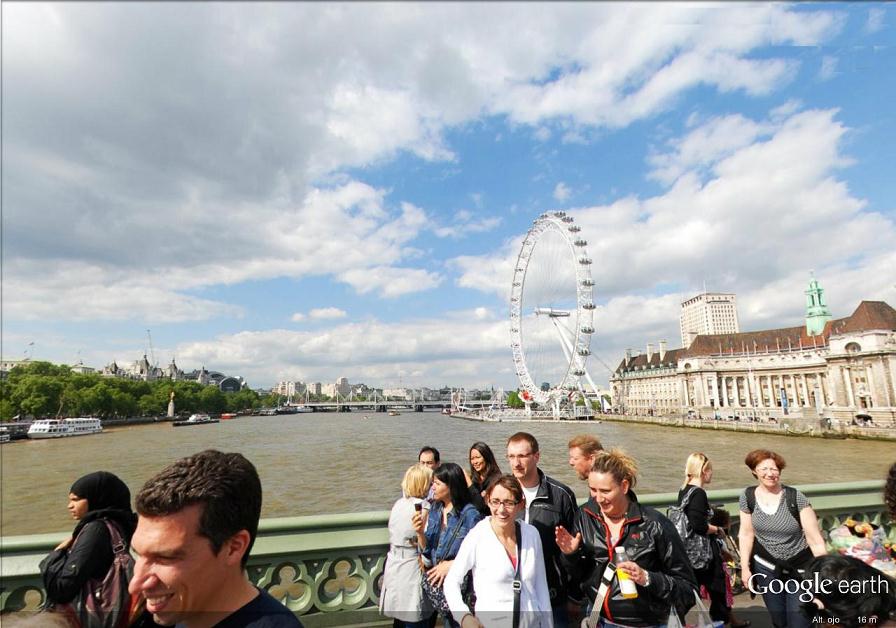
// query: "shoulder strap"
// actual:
[[606, 578], [687, 497], [751, 499], [454, 534], [119, 546], [790, 496], [517, 584]]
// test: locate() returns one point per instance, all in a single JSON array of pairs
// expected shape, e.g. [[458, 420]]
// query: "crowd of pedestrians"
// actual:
[[533, 558], [469, 548]]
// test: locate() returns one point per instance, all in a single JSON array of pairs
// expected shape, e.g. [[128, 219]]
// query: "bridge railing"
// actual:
[[328, 568]]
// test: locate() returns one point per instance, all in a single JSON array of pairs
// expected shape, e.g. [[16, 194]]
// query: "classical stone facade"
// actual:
[[848, 368]]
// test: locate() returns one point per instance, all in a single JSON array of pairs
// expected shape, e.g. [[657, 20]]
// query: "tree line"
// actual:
[[43, 389]]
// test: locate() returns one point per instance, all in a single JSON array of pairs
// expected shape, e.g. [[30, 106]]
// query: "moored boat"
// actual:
[[59, 428], [195, 419], [228, 415], [394, 413], [4, 435]]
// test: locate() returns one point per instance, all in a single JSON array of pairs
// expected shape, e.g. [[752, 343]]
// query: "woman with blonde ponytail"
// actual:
[[697, 474], [655, 557]]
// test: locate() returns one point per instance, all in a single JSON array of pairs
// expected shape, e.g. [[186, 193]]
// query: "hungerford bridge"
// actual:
[[457, 402]]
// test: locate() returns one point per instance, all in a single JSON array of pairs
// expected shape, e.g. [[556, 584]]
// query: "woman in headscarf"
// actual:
[[95, 500]]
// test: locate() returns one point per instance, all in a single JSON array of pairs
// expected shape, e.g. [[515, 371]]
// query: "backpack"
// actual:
[[789, 498], [696, 546], [106, 603]]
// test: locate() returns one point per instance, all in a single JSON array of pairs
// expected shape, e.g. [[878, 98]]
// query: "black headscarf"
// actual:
[[107, 498]]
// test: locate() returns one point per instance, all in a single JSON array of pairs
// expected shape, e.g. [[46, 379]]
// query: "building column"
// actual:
[[847, 380], [704, 389], [769, 382], [736, 391], [806, 399], [883, 380], [834, 383], [755, 383], [869, 378], [748, 394], [714, 385], [726, 402]]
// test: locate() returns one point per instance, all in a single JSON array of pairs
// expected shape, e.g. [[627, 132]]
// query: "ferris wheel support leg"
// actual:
[[564, 341], [567, 348]]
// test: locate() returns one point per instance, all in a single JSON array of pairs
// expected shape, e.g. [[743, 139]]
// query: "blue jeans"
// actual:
[[783, 607]]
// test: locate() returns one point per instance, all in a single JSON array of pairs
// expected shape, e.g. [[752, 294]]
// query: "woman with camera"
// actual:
[[402, 598]]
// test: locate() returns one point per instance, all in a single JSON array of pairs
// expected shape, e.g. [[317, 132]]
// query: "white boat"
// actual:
[[57, 428], [195, 419]]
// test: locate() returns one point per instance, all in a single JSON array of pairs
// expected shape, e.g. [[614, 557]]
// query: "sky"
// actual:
[[293, 191]]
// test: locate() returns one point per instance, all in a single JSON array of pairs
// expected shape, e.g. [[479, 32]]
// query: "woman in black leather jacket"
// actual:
[[657, 561], [93, 500]]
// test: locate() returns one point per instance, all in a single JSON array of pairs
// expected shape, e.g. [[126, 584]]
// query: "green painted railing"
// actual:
[[328, 568]]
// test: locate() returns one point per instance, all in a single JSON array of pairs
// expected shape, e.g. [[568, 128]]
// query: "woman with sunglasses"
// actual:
[[778, 537], [500, 550]]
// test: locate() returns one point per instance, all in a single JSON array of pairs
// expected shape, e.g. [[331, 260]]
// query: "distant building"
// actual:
[[80, 369], [173, 373], [708, 313], [142, 369], [401, 394], [848, 367]]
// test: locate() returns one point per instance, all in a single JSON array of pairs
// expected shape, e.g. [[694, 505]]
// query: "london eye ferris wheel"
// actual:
[[552, 311]]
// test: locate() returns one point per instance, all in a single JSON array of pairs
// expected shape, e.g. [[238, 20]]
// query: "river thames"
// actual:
[[341, 462]]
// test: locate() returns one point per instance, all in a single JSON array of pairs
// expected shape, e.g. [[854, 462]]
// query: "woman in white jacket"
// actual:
[[490, 551]]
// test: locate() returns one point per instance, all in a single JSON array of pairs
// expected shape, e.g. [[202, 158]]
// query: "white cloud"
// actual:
[[561, 192], [466, 223], [319, 314], [705, 145], [372, 351], [390, 281], [828, 68], [875, 23], [326, 313]]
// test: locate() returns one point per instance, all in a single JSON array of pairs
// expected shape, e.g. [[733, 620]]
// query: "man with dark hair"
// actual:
[[198, 519], [549, 504], [430, 457], [582, 451]]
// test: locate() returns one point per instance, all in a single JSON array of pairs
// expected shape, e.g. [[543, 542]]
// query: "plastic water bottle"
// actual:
[[626, 584]]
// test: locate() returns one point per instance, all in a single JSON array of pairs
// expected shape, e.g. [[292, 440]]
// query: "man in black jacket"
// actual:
[[549, 504]]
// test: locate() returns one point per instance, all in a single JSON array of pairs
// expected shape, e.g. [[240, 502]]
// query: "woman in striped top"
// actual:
[[779, 535]]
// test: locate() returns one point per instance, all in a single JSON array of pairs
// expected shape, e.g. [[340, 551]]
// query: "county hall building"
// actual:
[[827, 367]]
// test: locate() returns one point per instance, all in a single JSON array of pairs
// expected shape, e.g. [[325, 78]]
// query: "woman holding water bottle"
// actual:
[[652, 571]]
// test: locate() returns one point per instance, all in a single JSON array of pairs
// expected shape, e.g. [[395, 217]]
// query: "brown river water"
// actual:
[[341, 462]]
